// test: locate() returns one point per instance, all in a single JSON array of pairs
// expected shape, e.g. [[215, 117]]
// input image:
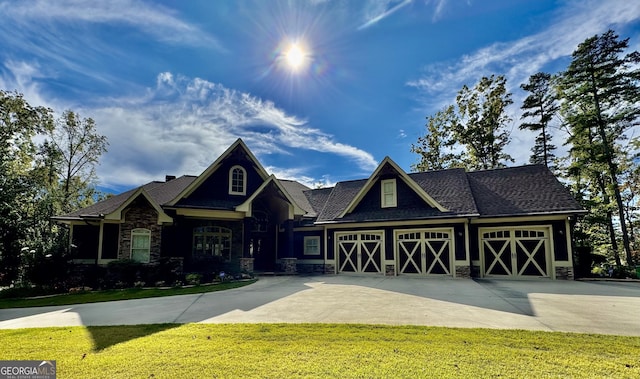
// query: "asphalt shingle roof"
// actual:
[[297, 192], [450, 188], [160, 192], [523, 190], [519, 191]]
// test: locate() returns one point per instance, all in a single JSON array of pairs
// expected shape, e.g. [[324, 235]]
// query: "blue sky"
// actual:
[[173, 83]]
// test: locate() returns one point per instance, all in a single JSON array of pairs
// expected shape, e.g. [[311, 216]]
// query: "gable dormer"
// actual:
[[227, 182], [389, 188]]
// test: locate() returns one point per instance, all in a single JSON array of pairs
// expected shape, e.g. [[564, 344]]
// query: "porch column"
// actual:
[[289, 261], [289, 231], [246, 262]]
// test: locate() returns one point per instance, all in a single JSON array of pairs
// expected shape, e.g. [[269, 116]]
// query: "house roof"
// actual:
[[520, 190], [449, 188], [317, 199], [238, 145], [297, 192], [451, 193], [159, 192], [389, 167]]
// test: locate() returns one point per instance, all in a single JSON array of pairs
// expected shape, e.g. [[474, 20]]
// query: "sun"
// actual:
[[296, 56]]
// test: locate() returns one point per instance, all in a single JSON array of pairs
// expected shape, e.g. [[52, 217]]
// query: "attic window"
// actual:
[[389, 197], [237, 181]]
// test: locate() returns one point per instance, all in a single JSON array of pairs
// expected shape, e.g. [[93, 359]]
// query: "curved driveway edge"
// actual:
[[585, 307]]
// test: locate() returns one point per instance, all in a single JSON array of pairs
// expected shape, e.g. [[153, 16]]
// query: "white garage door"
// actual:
[[360, 252], [424, 252], [515, 252]]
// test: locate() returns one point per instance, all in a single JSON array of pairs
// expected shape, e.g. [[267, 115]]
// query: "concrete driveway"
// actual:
[[587, 307]]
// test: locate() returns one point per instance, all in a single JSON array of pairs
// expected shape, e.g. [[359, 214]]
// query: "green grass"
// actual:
[[111, 295], [321, 351]]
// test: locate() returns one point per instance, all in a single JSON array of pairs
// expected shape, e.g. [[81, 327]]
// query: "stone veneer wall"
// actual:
[[564, 273], [140, 214], [389, 270], [463, 272], [288, 265]]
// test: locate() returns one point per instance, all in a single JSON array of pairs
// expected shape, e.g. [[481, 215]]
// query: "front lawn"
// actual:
[[321, 351], [111, 295]]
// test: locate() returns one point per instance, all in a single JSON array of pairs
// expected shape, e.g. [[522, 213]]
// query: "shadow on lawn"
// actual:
[[107, 336]]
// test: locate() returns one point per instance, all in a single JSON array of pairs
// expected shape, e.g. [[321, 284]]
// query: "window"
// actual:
[[141, 245], [237, 181], [212, 240], [389, 198], [311, 245]]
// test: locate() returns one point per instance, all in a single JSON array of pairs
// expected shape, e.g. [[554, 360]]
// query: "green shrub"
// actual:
[[123, 272], [193, 278]]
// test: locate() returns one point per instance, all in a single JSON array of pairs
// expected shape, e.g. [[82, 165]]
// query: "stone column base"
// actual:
[[246, 265], [389, 270], [289, 265], [564, 273], [463, 272]]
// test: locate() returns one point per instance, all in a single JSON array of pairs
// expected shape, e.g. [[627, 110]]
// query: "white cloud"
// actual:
[[377, 10], [182, 125], [148, 17]]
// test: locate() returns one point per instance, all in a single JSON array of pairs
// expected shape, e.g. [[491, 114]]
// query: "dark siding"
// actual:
[[85, 238], [110, 241], [214, 191], [388, 245], [458, 232], [331, 235], [298, 244], [560, 241], [406, 197], [474, 247]]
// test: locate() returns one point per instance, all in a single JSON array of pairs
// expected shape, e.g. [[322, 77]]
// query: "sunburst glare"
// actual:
[[295, 56]]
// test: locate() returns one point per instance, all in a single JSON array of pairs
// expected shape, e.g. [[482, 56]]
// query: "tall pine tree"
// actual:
[[602, 98], [540, 107]]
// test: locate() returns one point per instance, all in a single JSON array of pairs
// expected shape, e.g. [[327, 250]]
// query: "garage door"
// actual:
[[360, 252], [516, 252], [424, 252]]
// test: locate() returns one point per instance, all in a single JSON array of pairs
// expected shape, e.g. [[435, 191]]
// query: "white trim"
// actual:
[[244, 180], [311, 238], [100, 238], [452, 250], [214, 166], [405, 178], [118, 216], [400, 223], [393, 203], [547, 241], [140, 232], [293, 208], [358, 266]]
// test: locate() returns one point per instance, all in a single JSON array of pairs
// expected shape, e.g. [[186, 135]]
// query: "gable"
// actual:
[[409, 204], [212, 188], [386, 170], [213, 192]]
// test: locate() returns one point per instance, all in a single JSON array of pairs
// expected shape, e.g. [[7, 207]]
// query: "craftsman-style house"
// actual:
[[511, 223]]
